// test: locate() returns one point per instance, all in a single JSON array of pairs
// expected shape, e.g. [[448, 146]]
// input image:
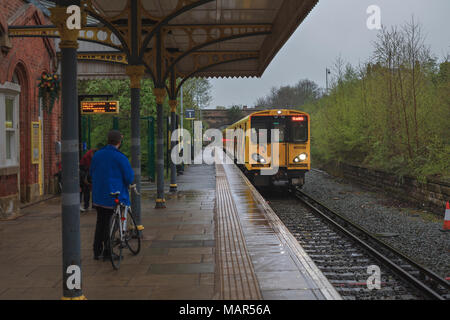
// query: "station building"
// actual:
[[28, 134]]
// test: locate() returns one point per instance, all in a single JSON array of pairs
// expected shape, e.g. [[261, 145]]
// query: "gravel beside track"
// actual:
[[342, 261], [414, 232]]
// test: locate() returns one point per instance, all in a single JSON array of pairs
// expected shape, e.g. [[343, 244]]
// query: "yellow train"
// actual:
[[248, 143]]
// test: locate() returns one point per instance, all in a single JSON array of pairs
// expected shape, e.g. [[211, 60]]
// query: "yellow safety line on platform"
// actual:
[[82, 297], [300, 258], [237, 276]]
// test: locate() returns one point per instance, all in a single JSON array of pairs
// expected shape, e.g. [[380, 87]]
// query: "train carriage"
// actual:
[[270, 160]]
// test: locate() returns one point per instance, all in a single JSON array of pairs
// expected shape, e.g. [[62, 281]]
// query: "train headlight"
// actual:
[[301, 157], [258, 158]]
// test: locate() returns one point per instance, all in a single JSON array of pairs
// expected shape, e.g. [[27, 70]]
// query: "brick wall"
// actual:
[[9, 7], [8, 185], [28, 58], [52, 133], [432, 194], [219, 117]]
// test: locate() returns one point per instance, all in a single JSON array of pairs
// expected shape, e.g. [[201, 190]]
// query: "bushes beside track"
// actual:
[[391, 114]]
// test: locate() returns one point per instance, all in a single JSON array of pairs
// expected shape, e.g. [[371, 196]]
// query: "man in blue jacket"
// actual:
[[111, 172]]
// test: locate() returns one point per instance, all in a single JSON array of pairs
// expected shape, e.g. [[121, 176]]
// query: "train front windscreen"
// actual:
[[292, 129]]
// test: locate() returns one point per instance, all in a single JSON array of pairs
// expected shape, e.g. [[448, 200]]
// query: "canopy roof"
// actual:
[[279, 18], [208, 38]]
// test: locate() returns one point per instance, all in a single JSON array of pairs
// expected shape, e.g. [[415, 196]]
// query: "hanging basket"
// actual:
[[49, 87]]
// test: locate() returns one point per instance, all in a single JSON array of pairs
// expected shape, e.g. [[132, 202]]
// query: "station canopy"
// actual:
[[215, 38]]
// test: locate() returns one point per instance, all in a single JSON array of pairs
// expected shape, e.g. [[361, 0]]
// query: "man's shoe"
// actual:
[[82, 209]]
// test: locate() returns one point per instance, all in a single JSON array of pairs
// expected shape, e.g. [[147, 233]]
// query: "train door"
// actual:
[[246, 143], [280, 125], [259, 139]]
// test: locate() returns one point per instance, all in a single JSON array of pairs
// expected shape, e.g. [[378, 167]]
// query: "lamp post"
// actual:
[[327, 72], [70, 199], [181, 121]]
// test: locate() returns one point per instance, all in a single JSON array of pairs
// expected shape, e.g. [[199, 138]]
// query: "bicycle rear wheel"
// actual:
[[115, 243], [132, 237]]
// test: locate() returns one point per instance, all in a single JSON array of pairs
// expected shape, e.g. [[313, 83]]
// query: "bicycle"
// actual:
[[123, 231]]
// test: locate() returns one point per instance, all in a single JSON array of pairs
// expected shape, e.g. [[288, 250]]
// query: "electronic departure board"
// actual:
[[97, 107]]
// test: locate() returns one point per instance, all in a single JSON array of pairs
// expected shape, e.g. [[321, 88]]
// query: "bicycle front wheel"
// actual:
[[132, 236], [115, 243]]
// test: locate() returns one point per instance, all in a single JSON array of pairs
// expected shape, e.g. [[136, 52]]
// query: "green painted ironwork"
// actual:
[[86, 137], [89, 134], [150, 147], [115, 123], [83, 130]]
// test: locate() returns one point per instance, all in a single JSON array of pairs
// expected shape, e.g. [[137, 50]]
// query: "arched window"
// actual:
[[9, 123], [15, 78]]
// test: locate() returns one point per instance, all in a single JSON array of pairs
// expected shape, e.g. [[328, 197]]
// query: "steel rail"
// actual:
[[306, 199]]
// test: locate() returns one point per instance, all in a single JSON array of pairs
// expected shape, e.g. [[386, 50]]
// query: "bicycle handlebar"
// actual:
[[133, 187]]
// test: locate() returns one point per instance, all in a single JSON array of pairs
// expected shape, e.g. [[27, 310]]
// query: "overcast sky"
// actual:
[[333, 28]]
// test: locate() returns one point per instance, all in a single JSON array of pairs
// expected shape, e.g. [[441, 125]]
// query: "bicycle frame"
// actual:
[[122, 233], [121, 211]]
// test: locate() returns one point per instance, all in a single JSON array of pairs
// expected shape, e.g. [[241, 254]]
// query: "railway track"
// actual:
[[425, 282], [343, 251]]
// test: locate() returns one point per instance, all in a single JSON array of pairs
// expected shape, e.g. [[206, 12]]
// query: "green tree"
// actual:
[[195, 91], [290, 96], [390, 113], [234, 113], [199, 91]]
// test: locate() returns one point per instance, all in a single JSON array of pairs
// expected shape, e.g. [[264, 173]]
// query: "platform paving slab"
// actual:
[[176, 259], [279, 262], [202, 246]]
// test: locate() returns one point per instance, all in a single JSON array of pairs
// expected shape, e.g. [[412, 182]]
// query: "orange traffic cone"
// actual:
[[447, 218]]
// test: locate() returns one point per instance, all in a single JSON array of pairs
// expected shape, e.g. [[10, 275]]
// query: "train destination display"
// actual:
[[98, 107]]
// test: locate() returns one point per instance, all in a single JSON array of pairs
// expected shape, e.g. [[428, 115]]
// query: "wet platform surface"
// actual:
[[283, 270], [215, 240]]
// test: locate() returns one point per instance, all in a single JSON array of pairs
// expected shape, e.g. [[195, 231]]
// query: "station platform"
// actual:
[[217, 239]]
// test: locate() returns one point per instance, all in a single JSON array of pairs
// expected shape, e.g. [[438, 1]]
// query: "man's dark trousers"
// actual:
[[102, 231], [85, 195]]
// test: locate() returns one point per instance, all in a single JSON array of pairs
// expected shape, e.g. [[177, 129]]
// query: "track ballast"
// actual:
[[344, 251]]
